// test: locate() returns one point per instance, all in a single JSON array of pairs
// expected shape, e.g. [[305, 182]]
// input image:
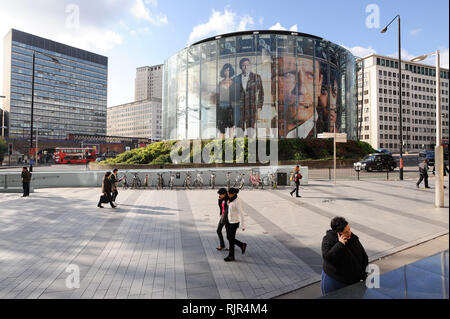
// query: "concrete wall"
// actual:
[[94, 178]]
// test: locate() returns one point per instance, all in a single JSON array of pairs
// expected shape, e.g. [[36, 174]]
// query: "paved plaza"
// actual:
[[161, 244]]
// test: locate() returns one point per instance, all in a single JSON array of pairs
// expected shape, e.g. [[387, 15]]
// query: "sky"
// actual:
[[134, 33]]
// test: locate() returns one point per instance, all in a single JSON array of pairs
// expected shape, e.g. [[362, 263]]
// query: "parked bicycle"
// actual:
[[123, 181], [270, 180], [228, 179], [146, 181], [212, 180], [136, 182], [198, 181], [160, 183], [239, 181], [171, 180], [187, 181], [254, 180]]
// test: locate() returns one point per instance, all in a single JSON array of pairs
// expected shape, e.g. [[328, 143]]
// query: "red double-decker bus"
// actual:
[[66, 155]]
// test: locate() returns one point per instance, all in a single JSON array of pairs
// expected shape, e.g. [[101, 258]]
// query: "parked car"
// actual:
[[428, 155], [383, 150], [376, 162]]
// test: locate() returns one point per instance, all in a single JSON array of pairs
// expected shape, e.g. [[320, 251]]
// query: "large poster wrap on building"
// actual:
[[273, 84]]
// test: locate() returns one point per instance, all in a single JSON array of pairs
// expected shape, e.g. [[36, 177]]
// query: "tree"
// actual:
[[3, 148]]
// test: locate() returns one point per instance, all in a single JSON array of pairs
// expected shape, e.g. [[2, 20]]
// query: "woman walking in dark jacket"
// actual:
[[106, 191], [223, 211], [344, 258]]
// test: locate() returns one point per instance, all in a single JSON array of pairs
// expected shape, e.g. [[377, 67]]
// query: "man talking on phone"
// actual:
[[344, 257]]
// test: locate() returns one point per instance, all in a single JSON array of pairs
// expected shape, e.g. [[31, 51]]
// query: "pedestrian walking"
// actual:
[[106, 191], [114, 183], [296, 177], [344, 257], [235, 218], [423, 171], [26, 179], [223, 209]]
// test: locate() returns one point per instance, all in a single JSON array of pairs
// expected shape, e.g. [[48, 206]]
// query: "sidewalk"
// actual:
[[161, 244]]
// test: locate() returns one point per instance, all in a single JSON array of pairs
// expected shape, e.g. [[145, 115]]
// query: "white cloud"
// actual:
[[261, 20], [140, 11], [219, 23], [415, 32], [360, 51], [278, 26]]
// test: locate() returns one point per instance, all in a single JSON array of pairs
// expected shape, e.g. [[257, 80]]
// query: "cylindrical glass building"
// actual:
[[279, 83]]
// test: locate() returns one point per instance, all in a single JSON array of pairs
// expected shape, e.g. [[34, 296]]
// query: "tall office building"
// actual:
[[148, 83], [136, 119], [378, 104], [70, 87]]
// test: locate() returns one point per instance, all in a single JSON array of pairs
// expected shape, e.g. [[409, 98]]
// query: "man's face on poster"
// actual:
[[245, 67], [296, 88]]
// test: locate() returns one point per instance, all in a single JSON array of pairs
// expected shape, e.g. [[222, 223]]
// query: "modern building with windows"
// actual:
[[273, 83], [148, 82], [378, 104], [138, 119], [70, 88]]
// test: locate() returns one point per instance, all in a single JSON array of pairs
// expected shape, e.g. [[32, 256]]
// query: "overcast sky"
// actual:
[[133, 33]]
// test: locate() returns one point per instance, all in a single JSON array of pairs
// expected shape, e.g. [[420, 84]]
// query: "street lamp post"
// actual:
[[32, 99], [3, 117], [439, 149], [399, 90]]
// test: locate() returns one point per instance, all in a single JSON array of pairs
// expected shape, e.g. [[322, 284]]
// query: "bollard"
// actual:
[[387, 173], [329, 173], [358, 174]]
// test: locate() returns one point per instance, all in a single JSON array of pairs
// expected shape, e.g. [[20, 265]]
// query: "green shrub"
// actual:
[[288, 149]]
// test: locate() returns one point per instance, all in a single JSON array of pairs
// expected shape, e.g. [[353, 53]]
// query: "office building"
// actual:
[[136, 119], [70, 88], [148, 83], [378, 104]]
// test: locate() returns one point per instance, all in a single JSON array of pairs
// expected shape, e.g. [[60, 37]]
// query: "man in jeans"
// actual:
[[114, 182], [423, 171], [26, 179]]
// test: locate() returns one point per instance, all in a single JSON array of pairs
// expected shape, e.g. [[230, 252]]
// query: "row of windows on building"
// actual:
[[407, 102], [70, 59], [64, 82], [63, 63], [413, 68], [26, 68]]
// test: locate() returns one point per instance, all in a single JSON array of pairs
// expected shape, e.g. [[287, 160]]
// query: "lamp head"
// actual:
[[419, 58], [384, 30]]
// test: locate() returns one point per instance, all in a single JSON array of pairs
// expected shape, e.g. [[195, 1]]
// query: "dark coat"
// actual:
[[106, 185], [344, 263], [26, 177], [224, 218], [249, 100], [297, 177]]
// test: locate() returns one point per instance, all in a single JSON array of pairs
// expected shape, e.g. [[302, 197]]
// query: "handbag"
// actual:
[[104, 199]]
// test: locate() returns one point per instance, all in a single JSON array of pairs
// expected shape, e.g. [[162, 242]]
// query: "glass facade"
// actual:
[[70, 94], [278, 83]]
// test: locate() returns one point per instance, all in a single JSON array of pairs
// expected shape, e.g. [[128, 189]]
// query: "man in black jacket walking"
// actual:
[[26, 179], [344, 258], [296, 178]]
